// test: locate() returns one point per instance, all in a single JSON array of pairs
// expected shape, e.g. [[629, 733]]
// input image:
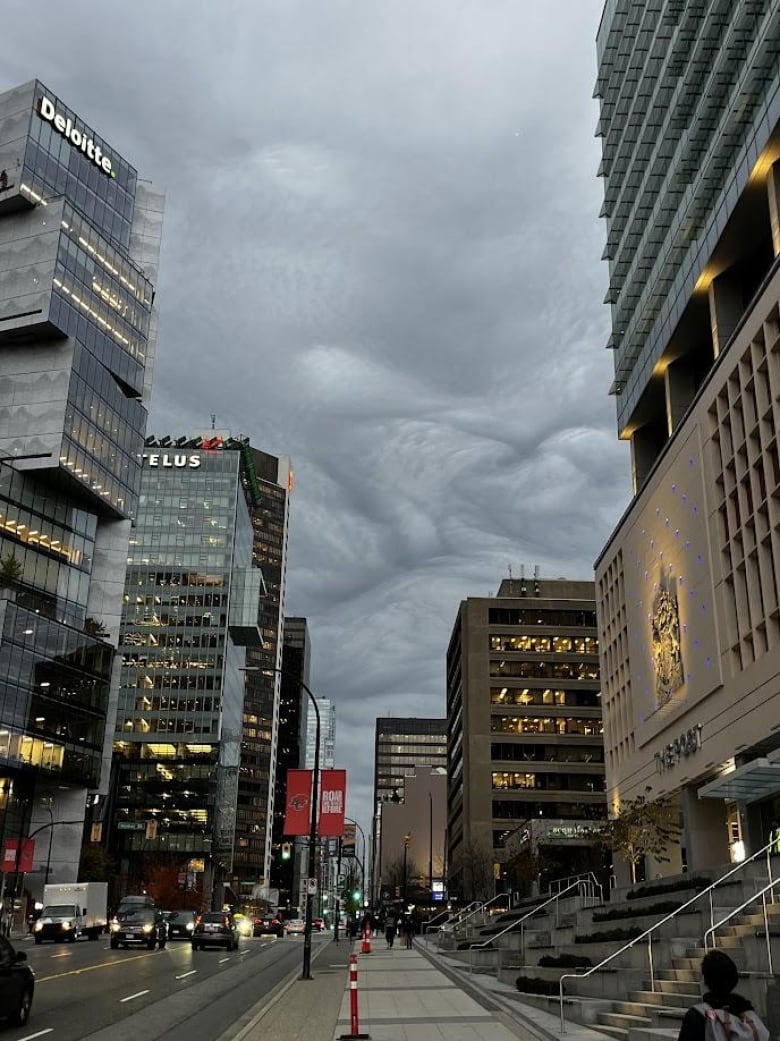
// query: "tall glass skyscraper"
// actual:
[[79, 243], [192, 607]]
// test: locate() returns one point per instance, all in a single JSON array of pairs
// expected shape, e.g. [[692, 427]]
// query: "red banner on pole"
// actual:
[[26, 854], [297, 807], [333, 803]]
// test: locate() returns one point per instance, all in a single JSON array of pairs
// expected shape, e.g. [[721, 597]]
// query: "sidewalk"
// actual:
[[402, 996]]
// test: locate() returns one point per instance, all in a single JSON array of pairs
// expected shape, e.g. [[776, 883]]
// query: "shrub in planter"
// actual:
[[662, 907], [629, 933], [565, 961], [656, 888], [533, 985]]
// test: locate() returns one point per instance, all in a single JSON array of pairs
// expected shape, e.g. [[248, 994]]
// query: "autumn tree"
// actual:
[[96, 864], [642, 829], [473, 867]]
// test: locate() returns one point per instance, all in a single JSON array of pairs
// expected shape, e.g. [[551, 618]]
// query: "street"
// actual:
[[86, 990]]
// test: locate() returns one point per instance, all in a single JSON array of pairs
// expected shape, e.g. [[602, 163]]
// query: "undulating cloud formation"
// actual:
[[381, 256]]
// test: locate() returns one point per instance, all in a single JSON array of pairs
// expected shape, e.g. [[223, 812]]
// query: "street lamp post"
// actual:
[[407, 839], [315, 795], [430, 844]]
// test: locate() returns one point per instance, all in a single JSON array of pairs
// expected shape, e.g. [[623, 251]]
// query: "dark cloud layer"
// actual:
[[381, 256]]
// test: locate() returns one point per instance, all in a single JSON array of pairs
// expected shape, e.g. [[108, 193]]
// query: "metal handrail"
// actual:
[[487, 903], [521, 921], [431, 923], [647, 934], [585, 876], [737, 910], [455, 918]]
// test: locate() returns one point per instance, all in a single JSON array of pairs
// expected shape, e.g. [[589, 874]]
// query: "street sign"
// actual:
[[342, 879], [311, 887], [130, 826]]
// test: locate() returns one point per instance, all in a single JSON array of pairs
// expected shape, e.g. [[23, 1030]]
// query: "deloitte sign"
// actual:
[[78, 138]]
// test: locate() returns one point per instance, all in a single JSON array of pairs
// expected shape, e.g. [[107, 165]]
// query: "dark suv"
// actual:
[[181, 924], [17, 983], [215, 928], [144, 925], [268, 925]]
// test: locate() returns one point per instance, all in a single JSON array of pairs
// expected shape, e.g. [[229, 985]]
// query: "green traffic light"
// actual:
[[356, 895]]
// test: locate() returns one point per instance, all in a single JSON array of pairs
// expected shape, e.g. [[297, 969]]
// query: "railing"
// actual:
[[738, 910], [648, 933], [597, 890], [579, 885], [432, 923], [456, 917], [479, 909]]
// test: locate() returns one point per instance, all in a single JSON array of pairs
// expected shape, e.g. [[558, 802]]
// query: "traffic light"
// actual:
[[285, 851], [356, 894], [397, 892]]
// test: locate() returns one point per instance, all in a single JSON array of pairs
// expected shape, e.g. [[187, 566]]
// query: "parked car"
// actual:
[[215, 929], [144, 925], [268, 925], [17, 983], [295, 927], [181, 924]]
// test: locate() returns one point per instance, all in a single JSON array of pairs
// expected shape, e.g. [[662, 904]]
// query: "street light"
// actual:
[[407, 839], [315, 793]]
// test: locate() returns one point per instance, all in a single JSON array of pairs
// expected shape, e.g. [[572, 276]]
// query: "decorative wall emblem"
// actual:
[[667, 655]]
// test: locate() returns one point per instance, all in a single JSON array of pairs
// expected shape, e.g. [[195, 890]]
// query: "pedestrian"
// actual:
[[390, 930], [409, 931], [774, 837], [721, 1005]]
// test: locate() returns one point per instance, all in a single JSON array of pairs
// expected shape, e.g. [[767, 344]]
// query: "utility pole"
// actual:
[[338, 895]]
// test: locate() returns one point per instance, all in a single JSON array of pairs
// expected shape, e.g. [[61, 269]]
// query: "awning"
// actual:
[[755, 780]]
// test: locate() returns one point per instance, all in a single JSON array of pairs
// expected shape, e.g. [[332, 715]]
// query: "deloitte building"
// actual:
[[79, 246]]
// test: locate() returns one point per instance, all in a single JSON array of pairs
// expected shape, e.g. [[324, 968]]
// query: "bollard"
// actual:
[[354, 1025], [366, 940]]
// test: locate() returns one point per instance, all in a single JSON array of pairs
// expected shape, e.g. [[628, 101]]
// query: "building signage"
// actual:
[[667, 655], [78, 138], [686, 744], [332, 803], [167, 460]]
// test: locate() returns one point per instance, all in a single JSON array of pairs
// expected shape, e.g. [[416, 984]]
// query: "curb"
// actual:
[[250, 1019]]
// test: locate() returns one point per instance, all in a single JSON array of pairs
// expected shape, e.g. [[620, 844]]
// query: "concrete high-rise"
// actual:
[[327, 733], [688, 584], [79, 245], [525, 756]]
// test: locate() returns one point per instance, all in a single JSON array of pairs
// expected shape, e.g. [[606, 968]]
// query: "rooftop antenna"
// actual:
[[523, 589], [213, 420], [509, 566], [536, 580]]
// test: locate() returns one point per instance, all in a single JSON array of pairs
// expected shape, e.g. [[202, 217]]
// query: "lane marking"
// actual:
[[130, 997], [66, 955], [91, 968], [241, 953], [184, 975], [222, 960], [40, 1033]]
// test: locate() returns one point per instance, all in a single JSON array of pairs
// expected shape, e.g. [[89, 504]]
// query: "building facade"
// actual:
[[270, 526], [524, 741], [689, 582], [79, 245], [402, 746], [327, 734], [412, 861], [192, 607], [296, 661]]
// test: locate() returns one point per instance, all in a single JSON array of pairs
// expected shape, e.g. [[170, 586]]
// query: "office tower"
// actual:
[[254, 831], [192, 607], [79, 244], [327, 733], [525, 756], [687, 583], [296, 654], [402, 745]]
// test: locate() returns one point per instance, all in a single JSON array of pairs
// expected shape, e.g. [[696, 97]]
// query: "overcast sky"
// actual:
[[381, 256]]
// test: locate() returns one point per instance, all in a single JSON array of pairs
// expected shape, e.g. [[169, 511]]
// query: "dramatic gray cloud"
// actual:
[[381, 256]]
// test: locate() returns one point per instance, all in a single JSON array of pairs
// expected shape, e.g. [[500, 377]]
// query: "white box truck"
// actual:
[[71, 910]]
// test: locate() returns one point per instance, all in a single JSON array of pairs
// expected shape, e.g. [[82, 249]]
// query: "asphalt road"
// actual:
[[84, 990]]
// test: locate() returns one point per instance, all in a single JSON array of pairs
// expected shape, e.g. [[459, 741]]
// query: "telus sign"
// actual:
[[78, 138]]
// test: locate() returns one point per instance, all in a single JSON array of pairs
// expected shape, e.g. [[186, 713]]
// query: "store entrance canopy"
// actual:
[[755, 780]]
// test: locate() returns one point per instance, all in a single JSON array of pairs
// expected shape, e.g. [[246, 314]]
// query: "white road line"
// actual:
[[40, 1033], [221, 960], [66, 955], [184, 975], [243, 952], [130, 997]]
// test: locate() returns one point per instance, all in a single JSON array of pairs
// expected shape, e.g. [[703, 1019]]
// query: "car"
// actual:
[[295, 927], [318, 924], [268, 925], [142, 925], [181, 924], [17, 983], [215, 929]]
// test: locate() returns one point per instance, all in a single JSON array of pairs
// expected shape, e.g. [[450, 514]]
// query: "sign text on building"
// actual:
[[78, 138], [686, 744], [171, 460]]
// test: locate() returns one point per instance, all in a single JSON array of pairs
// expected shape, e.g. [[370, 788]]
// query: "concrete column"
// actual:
[[705, 831], [679, 390], [773, 191], [644, 452], [726, 309]]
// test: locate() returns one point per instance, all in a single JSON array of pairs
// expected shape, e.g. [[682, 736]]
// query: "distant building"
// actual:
[[327, 733], [525, 746], [413, 830]]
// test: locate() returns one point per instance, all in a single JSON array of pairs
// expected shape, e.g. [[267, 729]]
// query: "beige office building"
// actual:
[[688, 584]]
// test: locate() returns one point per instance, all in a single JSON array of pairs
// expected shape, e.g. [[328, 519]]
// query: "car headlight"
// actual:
[[115, 927], [38, 926], [190, 926], [66, 925], [148, 928]]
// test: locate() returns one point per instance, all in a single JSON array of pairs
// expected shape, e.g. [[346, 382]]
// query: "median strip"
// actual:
[[130, 997]]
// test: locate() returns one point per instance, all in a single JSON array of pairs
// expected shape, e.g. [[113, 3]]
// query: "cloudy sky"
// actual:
[[381, 256]]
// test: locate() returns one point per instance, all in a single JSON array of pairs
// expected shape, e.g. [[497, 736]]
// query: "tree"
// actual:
[[163, 883], [10, 571], [393, 873], [96, 865], [473, 866], [95, 627], [642, 829]]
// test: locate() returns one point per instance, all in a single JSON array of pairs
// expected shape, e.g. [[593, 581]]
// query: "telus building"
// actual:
[[79, 247]]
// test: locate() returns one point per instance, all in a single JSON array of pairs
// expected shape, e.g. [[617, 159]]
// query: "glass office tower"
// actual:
[[79, 245], [192, 606]]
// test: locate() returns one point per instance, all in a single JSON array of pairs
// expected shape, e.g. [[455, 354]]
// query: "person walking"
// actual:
[[390, 929], [409, 931], [738, 1021]]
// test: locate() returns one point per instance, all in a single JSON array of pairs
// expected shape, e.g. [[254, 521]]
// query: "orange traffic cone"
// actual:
[[366, 941]]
